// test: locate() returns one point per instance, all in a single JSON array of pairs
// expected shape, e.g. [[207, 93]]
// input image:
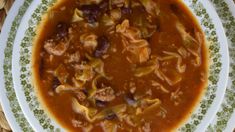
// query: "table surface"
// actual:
[[5, 5]]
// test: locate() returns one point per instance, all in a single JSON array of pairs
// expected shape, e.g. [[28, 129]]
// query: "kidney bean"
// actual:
[[103, 46]]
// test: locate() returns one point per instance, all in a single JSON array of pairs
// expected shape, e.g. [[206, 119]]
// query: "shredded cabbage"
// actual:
[[77, 16], [91, 114]]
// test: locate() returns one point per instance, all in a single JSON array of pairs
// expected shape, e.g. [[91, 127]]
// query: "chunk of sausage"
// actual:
[[105, 94]]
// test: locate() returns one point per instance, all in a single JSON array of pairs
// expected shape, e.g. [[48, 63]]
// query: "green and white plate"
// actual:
[[225, 117], [24, 112]]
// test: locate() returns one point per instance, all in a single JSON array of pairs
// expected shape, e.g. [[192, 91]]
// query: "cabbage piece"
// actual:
[[152, 65], [94, 88], [118, 110], [160, 86], [146, 28], [85, 74], [151, 7], [91, 114], [190, 43], [98, 65], [62, 74], [89, 41], [77, 83], [109, 126], [121, 28], [153, 105], [88, 113], [172, 77], [116, 14], [142, 71], [107, 20], [77, 16], [150, 105], [65, 87], [133, 43], [180, 66]]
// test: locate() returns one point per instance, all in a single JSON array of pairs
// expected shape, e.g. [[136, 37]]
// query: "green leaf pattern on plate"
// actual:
[[196, 118], [25, 57], [228, 106], [15, 107]]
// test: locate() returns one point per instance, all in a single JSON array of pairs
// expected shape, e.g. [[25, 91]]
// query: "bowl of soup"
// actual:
[[127, 65]]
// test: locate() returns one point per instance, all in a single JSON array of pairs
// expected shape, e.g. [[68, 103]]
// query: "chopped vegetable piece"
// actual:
[[65, 87], [88, 113], [142, 71], [118, 110], [89, 40], [77, 15], [94, 88], [107, 20], [151, 7], [109, 126], [54, 48], [151, 67], [153, 104], [105, 94], [62, 74], [139, 48]]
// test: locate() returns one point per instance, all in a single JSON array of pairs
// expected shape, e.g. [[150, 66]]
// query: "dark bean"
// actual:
[[100, 103], [55, 83], [104, 5], [126, 11], [110, 116], [130, 99], [85, 91], [91, 19], [62, 30], [91, 12], [103, 46]]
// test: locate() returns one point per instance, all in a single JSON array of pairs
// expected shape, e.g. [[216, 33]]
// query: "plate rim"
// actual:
[[12, 18]]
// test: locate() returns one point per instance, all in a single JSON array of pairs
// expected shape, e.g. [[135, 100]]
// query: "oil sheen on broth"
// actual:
[[119, 65]]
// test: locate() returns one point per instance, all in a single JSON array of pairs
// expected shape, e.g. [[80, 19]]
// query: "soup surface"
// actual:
[[120, 65]]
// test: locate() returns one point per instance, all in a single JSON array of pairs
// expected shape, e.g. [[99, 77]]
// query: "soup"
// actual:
[[120, 65]]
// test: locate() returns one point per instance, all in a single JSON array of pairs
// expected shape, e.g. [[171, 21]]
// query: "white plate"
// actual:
[[225, 117], [40, 121]]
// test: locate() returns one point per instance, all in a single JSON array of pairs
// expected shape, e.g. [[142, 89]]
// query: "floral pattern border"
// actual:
[[204, 105], [228, 106], [15, 107]]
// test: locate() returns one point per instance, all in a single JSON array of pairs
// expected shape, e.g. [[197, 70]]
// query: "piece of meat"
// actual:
[[80, 96], [55, 48], [75, 57], [105, 94], [89, 41]]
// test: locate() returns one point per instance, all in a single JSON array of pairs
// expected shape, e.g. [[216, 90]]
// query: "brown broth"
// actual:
[[117, 66]]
